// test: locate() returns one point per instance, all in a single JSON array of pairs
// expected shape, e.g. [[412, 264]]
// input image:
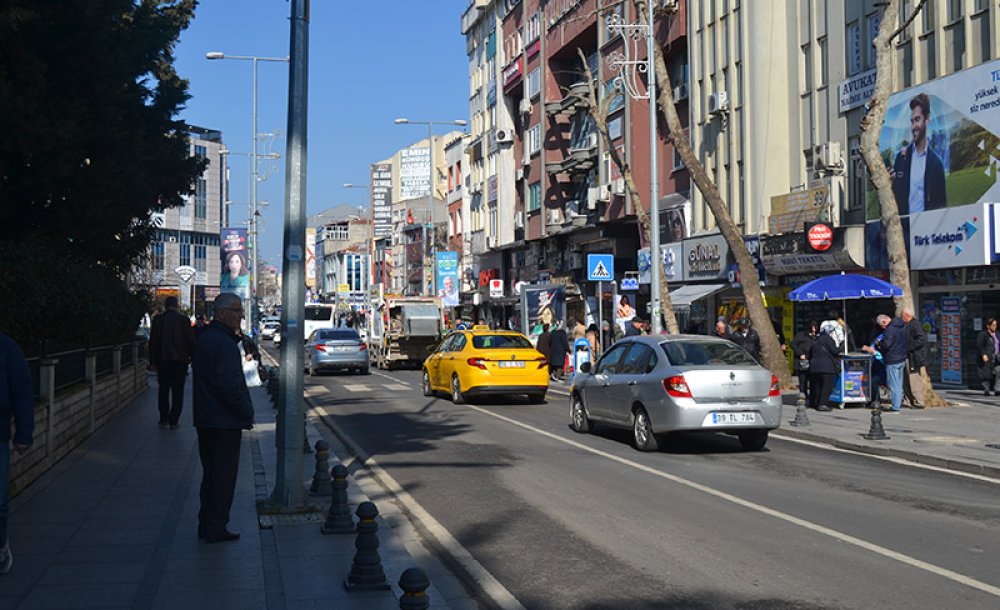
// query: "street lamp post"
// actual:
[[252, 211], [430, 195]]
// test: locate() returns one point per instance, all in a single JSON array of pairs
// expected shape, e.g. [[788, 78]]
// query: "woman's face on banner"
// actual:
[[235, 264], [545, 316]]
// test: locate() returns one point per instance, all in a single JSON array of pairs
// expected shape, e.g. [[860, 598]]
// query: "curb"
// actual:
[[910, 456]]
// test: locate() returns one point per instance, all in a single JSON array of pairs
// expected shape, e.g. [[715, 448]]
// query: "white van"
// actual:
[[318, 315]]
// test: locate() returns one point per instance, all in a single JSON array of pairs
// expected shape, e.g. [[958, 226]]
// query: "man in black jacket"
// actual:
[[747, 338], [895, 346], [171, 342], [222, 410], [913, 385]]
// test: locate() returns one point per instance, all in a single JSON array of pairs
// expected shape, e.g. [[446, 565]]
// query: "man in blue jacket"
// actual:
[[222, 410], [894, 348], [17, 403]]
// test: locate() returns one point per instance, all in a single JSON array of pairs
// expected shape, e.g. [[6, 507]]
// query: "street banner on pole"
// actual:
[[235, 276], [447, 274]]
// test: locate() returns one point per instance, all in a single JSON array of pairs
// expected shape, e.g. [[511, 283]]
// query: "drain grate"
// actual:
[[269, 521]]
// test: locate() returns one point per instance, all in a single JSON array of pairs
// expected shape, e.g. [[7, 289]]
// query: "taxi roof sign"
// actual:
[[481, 327]]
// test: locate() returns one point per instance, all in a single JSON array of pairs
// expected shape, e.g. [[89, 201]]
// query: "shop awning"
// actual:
[[685, 295]]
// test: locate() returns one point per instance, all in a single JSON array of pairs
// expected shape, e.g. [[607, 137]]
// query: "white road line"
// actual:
[[395, 379], [885, 458], [840, 536], [492, 587], [355, 388], [396, 386]]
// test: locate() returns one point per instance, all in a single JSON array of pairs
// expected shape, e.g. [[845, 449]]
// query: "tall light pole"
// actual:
[[430, 195], [252, 211]]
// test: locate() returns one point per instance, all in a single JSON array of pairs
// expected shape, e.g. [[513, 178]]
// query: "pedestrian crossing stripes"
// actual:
[[396, 387]]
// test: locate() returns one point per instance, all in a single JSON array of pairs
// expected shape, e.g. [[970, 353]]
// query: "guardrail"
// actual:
[[70, 366]]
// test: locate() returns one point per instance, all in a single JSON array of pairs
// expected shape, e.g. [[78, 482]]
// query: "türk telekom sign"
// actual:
[[952, 237]]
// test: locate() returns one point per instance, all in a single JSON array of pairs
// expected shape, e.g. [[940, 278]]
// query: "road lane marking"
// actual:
[[396, 386], [355, 388], [885, 458], [814, 527], [394, 379], [490, 586]]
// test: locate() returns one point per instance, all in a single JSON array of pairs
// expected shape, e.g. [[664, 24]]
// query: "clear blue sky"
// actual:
[[369, 63]]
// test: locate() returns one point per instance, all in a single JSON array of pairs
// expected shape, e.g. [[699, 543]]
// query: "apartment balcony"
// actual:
[[577, 99]]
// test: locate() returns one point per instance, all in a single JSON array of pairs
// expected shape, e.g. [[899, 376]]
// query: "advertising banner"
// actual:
[[381, 185], [672, 261], [447, 278], [311, 257], [951, 340], [791, 210], [542, 305], [235, 276], [414, 172], [941, 142], [706, 258], [953, 237]]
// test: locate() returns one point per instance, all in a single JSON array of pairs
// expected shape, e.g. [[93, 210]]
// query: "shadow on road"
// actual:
[[680, 443]]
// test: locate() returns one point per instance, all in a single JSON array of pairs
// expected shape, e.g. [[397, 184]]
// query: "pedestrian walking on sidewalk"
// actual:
[[988, 343], [222, 410], [801, 344], [559, 344], [171, 343], [17, 402], [823, 367], [916, 359], [895, 346]]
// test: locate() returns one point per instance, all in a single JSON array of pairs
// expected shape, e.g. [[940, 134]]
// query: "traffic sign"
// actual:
[[600, 267], [630, 283]]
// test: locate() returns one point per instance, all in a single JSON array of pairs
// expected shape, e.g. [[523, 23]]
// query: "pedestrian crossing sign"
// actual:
[[600, 267]]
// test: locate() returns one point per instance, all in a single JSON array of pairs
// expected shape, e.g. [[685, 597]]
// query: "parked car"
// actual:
[[268, 330], [481, 362], [656, 385], [336, 349]]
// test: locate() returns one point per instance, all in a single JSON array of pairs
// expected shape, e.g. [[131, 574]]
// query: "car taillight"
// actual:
[[677, 387], [320, 348], [542, 362], [479, 363], [775, 387], [362, 347]]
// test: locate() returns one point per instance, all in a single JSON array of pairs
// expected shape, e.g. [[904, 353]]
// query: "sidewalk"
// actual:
[[963, 437], [114, 526]]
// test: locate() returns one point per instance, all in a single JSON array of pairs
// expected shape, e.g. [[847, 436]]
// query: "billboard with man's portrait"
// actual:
[[941, 142], [447, 278]]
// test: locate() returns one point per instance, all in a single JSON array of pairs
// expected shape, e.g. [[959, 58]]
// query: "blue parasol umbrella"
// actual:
[[842, 287]]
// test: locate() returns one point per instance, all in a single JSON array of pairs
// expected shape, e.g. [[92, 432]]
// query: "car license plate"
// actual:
[[512, 364], [342, 349], [730, 418]]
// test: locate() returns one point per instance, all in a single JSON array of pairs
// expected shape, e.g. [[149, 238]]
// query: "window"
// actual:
[[534, 27], [853, 48], [199, 258], [158, 263], [824, 68], [608, 365], [534, 196], [954, 10], [185, 254], [500, 342], [705, 353], [927, 16], [534, 82], [201, 198], [534, 139], [637, 361], [200, 151], [806, 73], [874, 20]]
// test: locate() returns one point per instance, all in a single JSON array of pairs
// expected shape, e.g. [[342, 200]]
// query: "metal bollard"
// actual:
[[366, 569], [876, 432], [801, 417], [338, 518], [320, 485], [414, 583]]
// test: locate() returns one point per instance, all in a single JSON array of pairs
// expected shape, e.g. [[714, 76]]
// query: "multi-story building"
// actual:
[[568, 197], [342, 260], [189, 235], [459, 210]]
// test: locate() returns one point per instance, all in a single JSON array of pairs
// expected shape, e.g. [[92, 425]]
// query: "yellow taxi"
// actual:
[[483, 362]]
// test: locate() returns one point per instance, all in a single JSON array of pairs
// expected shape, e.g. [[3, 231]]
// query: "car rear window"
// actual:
[[705, 353], [339, 335], [500, 342], [318, 313]]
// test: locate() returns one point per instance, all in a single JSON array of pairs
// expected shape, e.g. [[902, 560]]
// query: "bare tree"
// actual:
[[598, 110], [752, 295], [871, 129]]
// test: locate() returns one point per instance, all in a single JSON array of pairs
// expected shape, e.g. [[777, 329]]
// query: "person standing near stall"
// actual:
[[895, 346], [988, 343], [823, 366], [916, 359], [801, 344]]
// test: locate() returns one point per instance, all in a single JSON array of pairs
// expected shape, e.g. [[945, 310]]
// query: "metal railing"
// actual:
[[71, 367]]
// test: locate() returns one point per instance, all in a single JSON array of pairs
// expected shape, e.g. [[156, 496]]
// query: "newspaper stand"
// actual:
[[854, 383]]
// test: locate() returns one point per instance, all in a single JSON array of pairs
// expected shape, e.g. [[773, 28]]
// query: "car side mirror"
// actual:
[[431, 349], [585, 368]]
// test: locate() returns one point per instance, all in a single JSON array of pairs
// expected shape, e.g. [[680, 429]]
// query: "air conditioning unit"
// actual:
[[668, 4], [504, 136], [618, 186], [525, 106], [526, 159], [605, 193], [718, 103], [593, 195], [827, 156], [680, 93], [519, 174], [519, 220], [592, 140], [491, 241]]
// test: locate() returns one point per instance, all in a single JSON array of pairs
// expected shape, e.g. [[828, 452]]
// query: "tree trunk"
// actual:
[[599, 112], [871, 129], [773, 357]]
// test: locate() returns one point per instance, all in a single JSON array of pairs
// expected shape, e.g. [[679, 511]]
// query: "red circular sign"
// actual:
[[820, 237]]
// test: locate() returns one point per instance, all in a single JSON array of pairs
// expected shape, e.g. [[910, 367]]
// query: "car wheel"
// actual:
[[753, 440], [642, 431], [457, 396], [536, 398], [425, 384], [580, 419], [366, 370]]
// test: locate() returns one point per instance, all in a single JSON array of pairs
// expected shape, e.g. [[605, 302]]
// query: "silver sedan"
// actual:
[[656, 385], [336, 349]]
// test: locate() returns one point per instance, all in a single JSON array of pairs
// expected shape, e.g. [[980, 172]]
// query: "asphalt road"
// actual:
[[564, 520]]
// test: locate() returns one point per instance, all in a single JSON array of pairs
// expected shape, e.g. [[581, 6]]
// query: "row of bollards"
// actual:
[[366, 572], [876, 431]]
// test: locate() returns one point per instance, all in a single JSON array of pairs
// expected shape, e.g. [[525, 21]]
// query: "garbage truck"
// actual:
[[402, 328]]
